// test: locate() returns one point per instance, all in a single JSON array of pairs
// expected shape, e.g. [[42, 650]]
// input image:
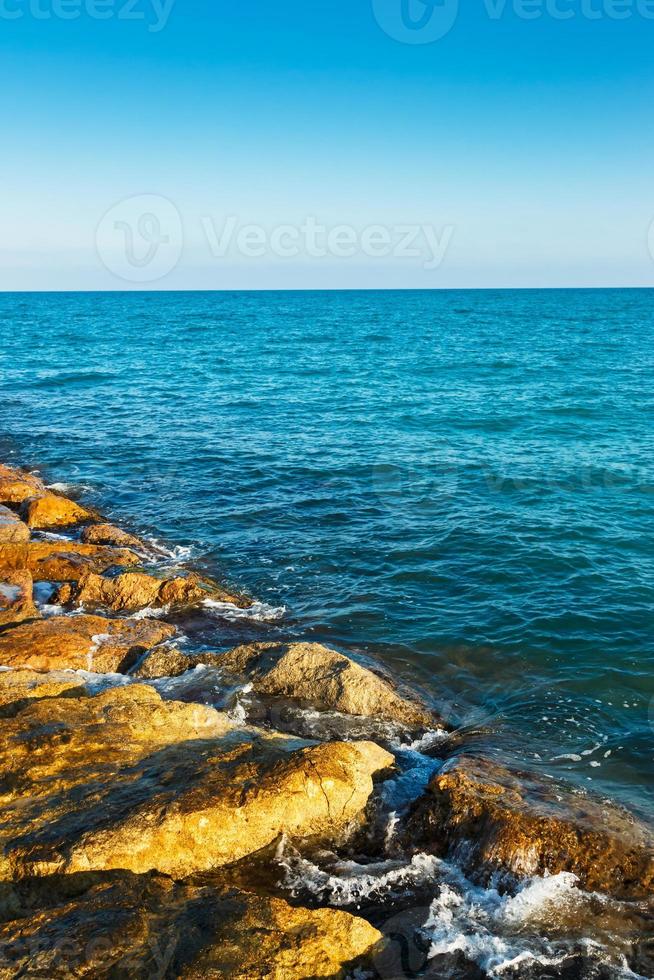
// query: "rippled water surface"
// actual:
[[460, 484]]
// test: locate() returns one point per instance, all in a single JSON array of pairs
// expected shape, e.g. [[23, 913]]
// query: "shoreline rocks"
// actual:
[[134, 591], [498, 820], [17, 485], [92, 643], [108, 534], [63, 561], [50, 510], [12, 529], [16, 598], [123, 812], [127, 781], [118, 924], [315, 675]]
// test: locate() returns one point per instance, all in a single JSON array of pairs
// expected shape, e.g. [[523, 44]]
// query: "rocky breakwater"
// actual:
[[144, 820], [112, 802]]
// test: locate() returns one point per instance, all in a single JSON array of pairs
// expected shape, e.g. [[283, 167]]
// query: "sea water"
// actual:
[[458, 485]]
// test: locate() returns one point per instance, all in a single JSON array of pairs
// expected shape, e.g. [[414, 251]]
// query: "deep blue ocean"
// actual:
[[459, 484]]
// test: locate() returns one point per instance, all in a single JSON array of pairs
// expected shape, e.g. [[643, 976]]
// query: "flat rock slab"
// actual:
[[63, 561], [16, 598], [133, 591], [18, 485], [81, 643], [498, 820], [12, 529], [313, 674], [126, 781], [111, 535], [19, 688], [118, 924], [50, 510]]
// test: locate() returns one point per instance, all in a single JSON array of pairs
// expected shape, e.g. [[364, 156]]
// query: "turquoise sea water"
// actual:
[[460, 484]]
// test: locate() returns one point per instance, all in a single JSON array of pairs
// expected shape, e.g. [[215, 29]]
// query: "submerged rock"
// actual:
[[81, 643], [126, 781], [320, 677], [108, 534], [52, 510], [498, 820], [18, 485], [12, 529], [118, 924], [18, 688], [63, 561], [132, 591], [16, 598]]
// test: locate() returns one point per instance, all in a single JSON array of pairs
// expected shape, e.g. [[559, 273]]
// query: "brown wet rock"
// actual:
[[51, 510], [133, 591], [108, 534], [16, 598], [315, 675], [18, 485], [498, 820], [118, 924], [81, 643], [166, 661], [63, 561], [126, 781], [19, 688], [12, 529]]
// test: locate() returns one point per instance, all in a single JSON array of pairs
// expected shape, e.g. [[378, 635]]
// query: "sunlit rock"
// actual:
[[81, 643]]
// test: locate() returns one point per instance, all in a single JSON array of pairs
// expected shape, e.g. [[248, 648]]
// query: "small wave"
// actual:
[[150, 612], [349, 883], [259, 612], [178, 554], [500, 932]]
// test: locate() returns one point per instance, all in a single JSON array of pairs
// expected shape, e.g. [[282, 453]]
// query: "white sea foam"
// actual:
[[348, 883], [499, 932], [496, 931], [259, 612], [151, 612]]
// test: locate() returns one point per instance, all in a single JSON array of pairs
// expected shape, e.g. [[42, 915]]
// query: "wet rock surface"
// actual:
[[63, 561], [18, 485], [123, 808], [322, 678], [19, 688], [50, 510], [170, 662], [12, 529], [81, 643], [125, 780], [495, 819], [123, 925], [108, 534], [16, 598], [133, 591]]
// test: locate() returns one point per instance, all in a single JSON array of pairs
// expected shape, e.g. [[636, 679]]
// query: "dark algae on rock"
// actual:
[[277, 810]]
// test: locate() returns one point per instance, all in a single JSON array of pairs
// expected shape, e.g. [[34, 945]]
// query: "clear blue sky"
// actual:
[[531, 140]]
